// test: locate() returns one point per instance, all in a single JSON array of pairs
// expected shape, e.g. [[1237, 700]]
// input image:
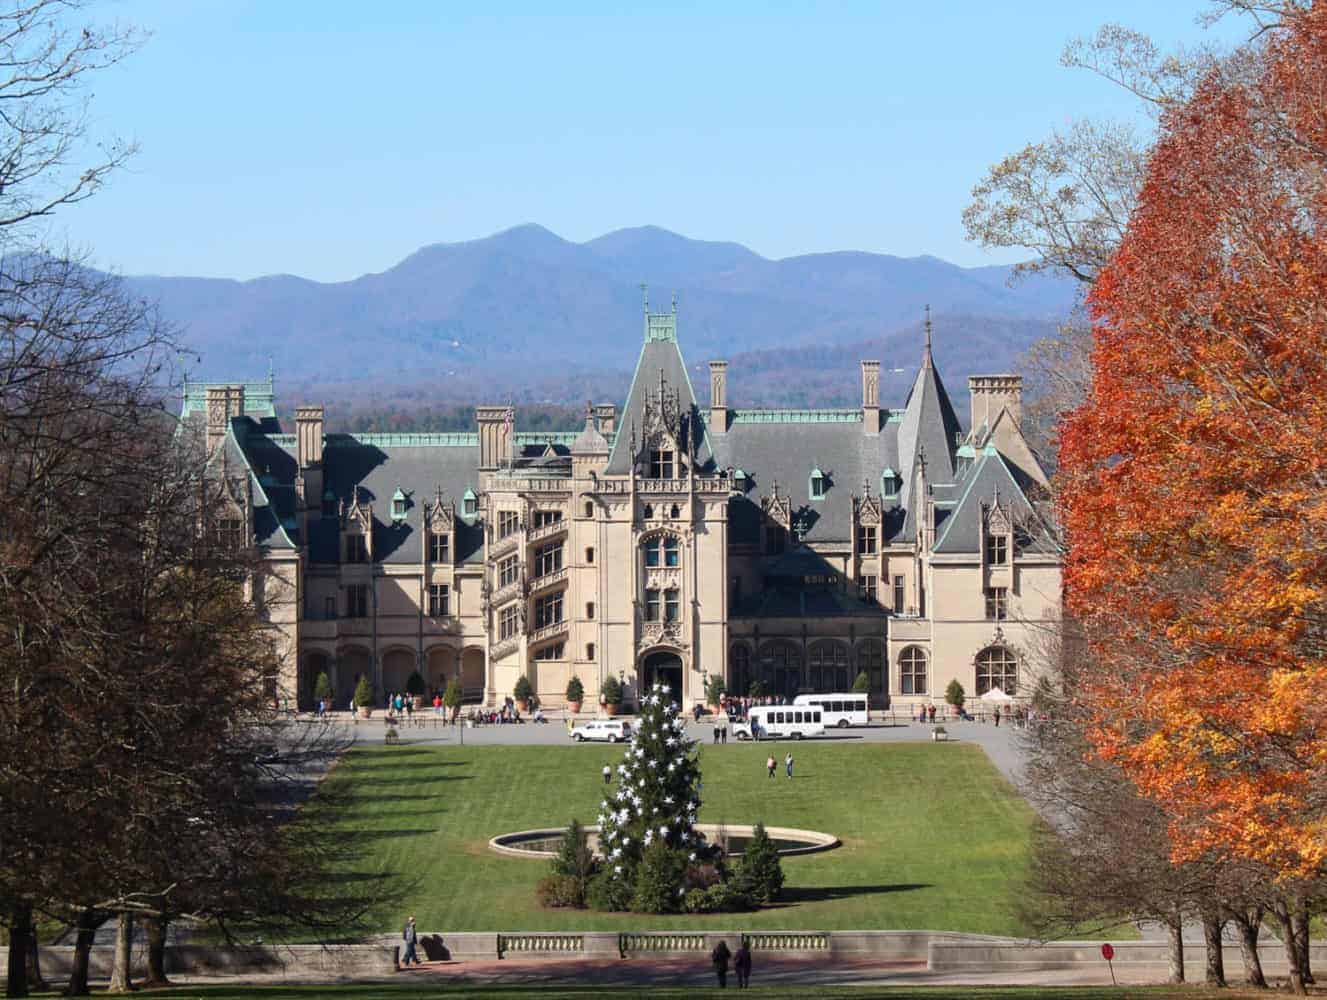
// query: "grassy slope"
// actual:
[[933, 837]]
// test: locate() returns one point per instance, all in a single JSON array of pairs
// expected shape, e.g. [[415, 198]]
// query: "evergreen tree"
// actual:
[[761, 875], [654, 802]]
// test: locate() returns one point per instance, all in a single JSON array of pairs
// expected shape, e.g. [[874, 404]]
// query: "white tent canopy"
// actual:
[[996, 697]]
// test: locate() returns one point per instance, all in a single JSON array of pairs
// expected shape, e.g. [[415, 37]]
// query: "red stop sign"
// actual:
[[1107, 952]]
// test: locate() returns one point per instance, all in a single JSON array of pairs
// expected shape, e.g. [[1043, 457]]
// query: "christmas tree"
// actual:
[[653, 808]]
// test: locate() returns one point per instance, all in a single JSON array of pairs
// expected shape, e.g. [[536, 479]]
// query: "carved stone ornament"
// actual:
[[659, 634], [778, 509], [866, 508], [998, 521], [663, 579], [357, 513], [440, 513]]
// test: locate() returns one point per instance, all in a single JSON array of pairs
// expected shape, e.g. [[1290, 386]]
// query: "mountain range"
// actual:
[[529, 315]]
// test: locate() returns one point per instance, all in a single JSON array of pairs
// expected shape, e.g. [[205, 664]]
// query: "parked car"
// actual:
[[608, 730]]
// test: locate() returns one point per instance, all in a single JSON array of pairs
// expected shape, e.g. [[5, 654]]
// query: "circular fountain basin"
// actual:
[[789, 842]]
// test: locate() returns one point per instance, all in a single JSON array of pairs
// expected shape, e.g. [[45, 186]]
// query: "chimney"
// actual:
[[494, 436], [871, 396], [718, 397], [991, 394], [309, 453], [224, 402], [605, 418]]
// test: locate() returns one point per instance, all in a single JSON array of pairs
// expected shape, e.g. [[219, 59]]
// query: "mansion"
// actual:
[[663, 540]]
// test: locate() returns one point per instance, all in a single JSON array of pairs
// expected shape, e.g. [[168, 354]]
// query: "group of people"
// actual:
[[771, 764], [721, 955]]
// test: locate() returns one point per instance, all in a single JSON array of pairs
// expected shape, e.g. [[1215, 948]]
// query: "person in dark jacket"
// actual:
[[411, 938], [742, 965], [720, 956]]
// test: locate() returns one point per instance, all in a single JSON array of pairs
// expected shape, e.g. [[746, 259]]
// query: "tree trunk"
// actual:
[[20, 927], [1248, 923], [156, 951], [1216, 962], [1175, 934], [1301, 921], [33, 962], [88, 922], [1287, 926], [121, 974]]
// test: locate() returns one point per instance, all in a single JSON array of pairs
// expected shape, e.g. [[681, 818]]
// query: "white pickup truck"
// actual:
[[609, 730]]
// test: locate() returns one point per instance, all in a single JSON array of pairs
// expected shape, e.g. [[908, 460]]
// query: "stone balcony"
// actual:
[[550, 631], [504, 594], [548, 580], [504, 648], [504, 545], [546, 531]]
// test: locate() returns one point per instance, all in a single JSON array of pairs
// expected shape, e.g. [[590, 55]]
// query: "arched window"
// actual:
[[675, 512], [829, 666], [870, 658], [997, 667], [780, 667], [648, 512], [912, 671], [739, 658]]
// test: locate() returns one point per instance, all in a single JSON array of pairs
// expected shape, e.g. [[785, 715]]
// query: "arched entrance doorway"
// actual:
[[397, 666], [662, 667], [472, 675], [441, 667], [353, 662]]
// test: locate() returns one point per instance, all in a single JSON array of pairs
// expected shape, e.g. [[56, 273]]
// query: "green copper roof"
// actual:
[[797, 416], [966, 451], [661, 326], [258, 397], [546, 437], [449, 439]]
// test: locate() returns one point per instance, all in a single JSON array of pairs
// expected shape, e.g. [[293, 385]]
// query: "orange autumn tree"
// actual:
[[1194, 476]]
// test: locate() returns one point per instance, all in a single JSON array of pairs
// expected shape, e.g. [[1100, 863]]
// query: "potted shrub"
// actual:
[[610, 695], [414, 686], [522, 692], [954, 697], [575, 694], [364, 697], [322, 690], [452, 697], [714, 692]]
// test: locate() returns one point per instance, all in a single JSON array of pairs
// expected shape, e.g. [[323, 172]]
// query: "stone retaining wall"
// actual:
[[1015, 956], [300, 960]]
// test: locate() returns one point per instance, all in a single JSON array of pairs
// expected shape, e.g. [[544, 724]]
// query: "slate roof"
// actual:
[[989, 475], [659, 357], [787, 451]]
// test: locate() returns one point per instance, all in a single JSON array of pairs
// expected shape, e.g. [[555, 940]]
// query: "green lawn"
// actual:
[[933, 837]]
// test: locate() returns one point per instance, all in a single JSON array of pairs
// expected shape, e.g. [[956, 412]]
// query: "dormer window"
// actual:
[[357, 549], [398, 505], [817, 488], [440, 548], [889, 482], [469, 503], [997, 550], [661, 463]]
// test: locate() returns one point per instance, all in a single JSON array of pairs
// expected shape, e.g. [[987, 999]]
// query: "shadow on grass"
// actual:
[[361, 837], [355, 798], [824, 893], [422, 780]]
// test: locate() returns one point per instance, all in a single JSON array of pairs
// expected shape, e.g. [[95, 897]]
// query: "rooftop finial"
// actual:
[[926, 357], [675, 302], [645, 296]]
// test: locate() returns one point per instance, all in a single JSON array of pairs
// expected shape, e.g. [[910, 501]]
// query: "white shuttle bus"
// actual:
[[775, 721], [841, 710]]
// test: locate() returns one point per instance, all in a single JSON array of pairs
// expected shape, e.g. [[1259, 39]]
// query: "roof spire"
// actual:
[[645, 296], [926, 354]]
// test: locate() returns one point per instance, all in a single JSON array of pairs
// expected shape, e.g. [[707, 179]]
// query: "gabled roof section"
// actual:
[[991, 476], [660, 365]]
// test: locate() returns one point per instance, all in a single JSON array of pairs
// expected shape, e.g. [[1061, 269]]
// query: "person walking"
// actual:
[[411, 938], [997, 716], [788, 763], [771, 764], [719, 957], [608, 775], [742, 965]]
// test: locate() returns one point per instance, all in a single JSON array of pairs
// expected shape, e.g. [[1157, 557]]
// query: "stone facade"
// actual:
[[794, 547]]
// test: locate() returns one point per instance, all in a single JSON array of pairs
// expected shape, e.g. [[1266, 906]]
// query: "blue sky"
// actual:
[[329, 139]]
